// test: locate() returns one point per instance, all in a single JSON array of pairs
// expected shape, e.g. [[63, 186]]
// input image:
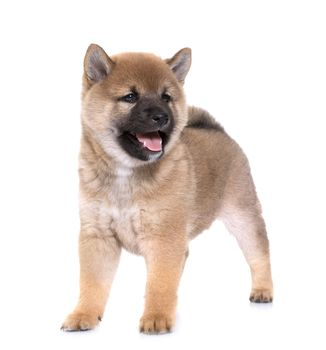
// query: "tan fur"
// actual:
[[155, 208]]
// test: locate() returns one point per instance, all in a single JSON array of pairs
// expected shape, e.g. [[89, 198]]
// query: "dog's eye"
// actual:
[[166, 97], [130, 98]]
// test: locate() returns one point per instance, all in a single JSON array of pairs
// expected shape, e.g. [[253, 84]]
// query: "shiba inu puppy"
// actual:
[[154, 173]]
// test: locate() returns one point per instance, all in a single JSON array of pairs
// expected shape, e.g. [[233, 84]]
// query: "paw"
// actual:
[[79, 321], [261, 296], [156, 324]]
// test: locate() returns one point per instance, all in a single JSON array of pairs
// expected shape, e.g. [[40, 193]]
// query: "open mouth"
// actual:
[[144, 146]]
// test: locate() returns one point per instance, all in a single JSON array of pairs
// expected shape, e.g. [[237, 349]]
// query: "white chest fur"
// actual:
[[124, 224], [124, 214], [115, 213]]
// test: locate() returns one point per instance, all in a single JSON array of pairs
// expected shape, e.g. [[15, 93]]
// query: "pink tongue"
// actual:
[[151, 140]]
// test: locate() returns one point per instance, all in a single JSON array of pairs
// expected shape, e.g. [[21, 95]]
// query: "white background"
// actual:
[[260, 68]]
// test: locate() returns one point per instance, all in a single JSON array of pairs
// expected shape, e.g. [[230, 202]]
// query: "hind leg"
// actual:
[[248, 226]]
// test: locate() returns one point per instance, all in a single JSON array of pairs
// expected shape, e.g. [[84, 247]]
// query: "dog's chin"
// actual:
[[134, 144]]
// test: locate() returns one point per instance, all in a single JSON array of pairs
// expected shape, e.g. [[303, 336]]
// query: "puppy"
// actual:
[[154, 173]]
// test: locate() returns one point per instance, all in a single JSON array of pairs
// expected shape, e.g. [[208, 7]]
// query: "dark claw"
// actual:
[[260, 300]]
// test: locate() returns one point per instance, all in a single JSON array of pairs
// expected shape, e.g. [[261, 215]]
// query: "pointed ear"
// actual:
[[180, 63], [97, 64]]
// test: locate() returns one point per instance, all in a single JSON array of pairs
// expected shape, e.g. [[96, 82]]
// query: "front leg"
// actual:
[[165, 261], [99, 256]]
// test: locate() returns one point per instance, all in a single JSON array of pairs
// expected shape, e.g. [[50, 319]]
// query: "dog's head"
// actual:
[[133, 103]]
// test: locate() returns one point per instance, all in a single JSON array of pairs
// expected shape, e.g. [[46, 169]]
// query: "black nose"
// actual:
[[160, 118]]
